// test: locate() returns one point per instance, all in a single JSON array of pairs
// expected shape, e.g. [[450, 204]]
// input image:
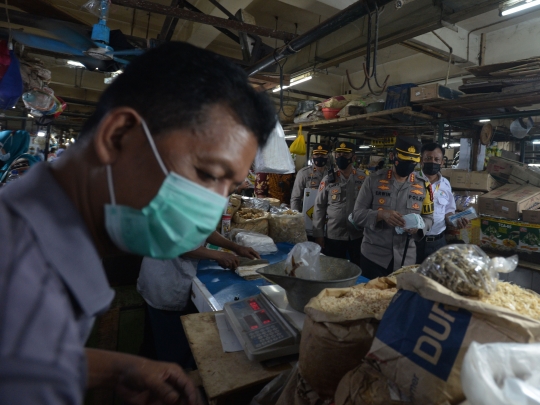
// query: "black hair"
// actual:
[[430, 147], [172, 85]]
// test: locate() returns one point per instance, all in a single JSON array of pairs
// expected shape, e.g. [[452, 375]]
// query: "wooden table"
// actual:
[[223, 374]]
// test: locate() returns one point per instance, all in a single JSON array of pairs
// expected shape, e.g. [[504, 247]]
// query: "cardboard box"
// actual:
[[511, 204], [477, 181], [433, 92], [499, 234], [532, 215], [486, 202], [469, 234], [501, 168], [529, 238], [447, 173], [465, 199]]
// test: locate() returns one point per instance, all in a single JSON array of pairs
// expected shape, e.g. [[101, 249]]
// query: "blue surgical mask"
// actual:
[[179, 218]]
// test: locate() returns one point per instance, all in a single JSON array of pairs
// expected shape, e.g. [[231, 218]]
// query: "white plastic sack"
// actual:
[[275, 157], [263, 244], [502, 374], [303, 261]]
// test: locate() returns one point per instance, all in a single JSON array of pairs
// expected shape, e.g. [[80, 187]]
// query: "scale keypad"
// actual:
[[267, 335]]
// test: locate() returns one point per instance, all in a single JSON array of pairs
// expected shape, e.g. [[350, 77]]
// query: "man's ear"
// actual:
[[111, 130]]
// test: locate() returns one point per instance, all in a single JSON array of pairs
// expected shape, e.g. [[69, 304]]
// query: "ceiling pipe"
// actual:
[[334, 23]]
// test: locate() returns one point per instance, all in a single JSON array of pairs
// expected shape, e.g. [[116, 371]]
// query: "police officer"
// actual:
[[445, 206], [386, 196], [336, 198], [309, 176]]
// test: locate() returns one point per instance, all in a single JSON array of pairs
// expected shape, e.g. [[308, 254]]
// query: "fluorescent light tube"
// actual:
[[521, 7], [454, 145], [41, 133], [295, 82], [74, 63], [485, 120]]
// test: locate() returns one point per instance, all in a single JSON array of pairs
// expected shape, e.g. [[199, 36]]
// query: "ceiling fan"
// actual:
[[71, 41]]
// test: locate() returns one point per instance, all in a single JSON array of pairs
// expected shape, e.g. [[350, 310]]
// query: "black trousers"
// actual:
[[425, 249], [372, 270], [340, 249]]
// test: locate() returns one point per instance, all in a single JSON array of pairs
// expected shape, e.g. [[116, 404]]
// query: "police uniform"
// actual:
[[336, 199], [382, 246], [307, 177]]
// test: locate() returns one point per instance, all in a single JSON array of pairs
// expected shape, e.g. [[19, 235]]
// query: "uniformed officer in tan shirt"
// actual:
[[386, 196], [309, 176], [336, 199]]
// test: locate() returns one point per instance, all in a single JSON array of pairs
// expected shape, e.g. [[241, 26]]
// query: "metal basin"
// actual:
[[337, 273]]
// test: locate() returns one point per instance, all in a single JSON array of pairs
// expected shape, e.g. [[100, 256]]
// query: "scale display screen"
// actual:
[[261, 329]]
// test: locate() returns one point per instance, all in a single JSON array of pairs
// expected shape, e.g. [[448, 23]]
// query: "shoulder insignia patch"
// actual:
[[383, 187], [411, 178], [321, 186], [389, 174], [417, 192]]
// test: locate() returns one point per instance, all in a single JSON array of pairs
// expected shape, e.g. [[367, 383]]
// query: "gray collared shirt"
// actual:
[[52, 285]]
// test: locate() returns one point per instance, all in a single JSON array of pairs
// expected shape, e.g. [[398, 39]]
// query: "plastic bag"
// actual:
[[271, 392], [257, 203], [303, 261], [263, 244], [502, 374], [275, 156], [466, 269], [95, 7], [287, 226], [298, 147]]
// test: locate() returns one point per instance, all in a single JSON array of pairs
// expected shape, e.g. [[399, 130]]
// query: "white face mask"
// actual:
[[5, 158]]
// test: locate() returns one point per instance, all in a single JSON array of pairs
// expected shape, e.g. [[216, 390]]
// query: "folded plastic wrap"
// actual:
[[257, 203], [303, 261], [466, 269], [263, 244], [412, 221]]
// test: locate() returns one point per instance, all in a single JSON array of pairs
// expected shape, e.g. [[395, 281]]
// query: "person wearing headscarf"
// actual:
[[12, 145], [21, 166]]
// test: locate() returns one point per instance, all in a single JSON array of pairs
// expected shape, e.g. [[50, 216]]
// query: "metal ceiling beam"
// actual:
[[169, 25], [205, 19], [224, 31], [334, 23]]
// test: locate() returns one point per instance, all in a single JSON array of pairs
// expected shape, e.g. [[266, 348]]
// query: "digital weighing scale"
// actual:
[[261, 329]]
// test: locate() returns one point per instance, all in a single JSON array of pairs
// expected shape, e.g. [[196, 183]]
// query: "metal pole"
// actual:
[[522, 151], [334, 23], [440, 133], [48, 141]]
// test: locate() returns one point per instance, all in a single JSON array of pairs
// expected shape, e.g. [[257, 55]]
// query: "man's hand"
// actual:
[[140, 381], [248, 252], [151, 382], [460, 223], [411, 231], [226, 260], [320, 242], [392, 218]]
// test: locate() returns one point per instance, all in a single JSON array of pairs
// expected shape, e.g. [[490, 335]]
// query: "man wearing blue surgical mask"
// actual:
[[149, 175]]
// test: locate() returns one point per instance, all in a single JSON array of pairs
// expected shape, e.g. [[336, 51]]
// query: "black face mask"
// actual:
[[431, 168], [342, 162], [405, 168], [320, 161]]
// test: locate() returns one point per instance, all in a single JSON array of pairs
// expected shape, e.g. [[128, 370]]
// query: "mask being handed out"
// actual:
[[431, 169], [342, 162], [176, 221], [320, 161], [405, 168]]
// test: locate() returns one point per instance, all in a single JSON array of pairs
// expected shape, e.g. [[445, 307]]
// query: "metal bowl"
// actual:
[[337, 273]]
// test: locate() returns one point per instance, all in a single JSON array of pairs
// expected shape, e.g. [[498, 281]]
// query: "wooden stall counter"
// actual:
[[225, 377]]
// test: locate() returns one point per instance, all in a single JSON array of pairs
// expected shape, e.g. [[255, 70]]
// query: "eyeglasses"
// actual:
[[432, 159]]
